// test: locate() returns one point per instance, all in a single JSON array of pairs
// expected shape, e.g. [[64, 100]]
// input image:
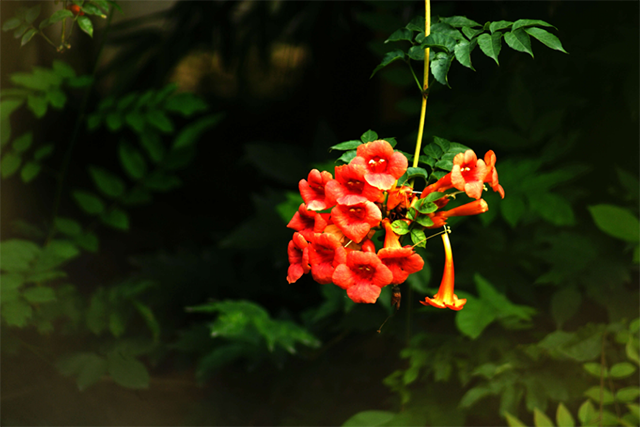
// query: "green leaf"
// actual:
[[152, 143], [39, 294], [565, 304], [9, 106], [348, 145], [132, 161], [56, 98], [190, 134], [595, 369], [416, 24], [439, 41], [347, 156], [116, 218], [401, 34], [369, 136], [540, 419], [564, 417], [463, 51], [89, 202], [5, 131], [594, 393], [88, 242], [11, 23], [432, 197], [89, 368], [10, 282], [10, 164], [513, 421], [552, 208], [418, 238], [43, 152], [56, 253], [46, 276], [519, 40], [459, 22], [545, 38], [490, 45], [440, 65], [60, 15], [37, 104], [474, 318], [80, 81], [90, 9], [20, 30], [135, 120], [417, 172], [117, 324], [16, 313], [32, 14], [149, 318], [26, 38], [67, 226], [628, 394], [114, 121], [29, 171], [471, 32], [138, 196], [622, 370], [499, 25], [369, 418], [528, 23], [616, 222], [159, 120], [425, 207], [185, 104], [85, 25], [400, 227], [389, 57], [109, 184], [158, 181], [97, 313], [425, 221], [127, 371], [63, 69], [587, 413], [16, 254], [512, 209], [416, 53]]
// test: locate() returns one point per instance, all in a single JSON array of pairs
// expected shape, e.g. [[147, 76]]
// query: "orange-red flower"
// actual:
[[492, 174], [476, 207], [355, 221], [445, 298], [298, 258], [363, 276], [350, 187], [312, 190], [308, 222], [402, 261], [468, 173], [325, 253], [383, 166], [400, 196]]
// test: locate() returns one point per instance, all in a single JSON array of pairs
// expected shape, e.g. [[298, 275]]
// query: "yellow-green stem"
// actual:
[[425, 84]]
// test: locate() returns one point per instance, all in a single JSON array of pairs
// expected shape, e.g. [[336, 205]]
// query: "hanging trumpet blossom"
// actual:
[[336, 224]]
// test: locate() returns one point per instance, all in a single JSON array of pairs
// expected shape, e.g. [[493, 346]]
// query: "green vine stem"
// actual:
[[76, 130], [425, 84], [416, 155]]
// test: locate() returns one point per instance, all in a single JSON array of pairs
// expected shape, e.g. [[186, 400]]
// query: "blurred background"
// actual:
[[210, 183]]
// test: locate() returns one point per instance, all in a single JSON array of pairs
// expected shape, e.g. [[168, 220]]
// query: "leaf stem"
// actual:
[[414, 77], [76, 130], [425, 87]]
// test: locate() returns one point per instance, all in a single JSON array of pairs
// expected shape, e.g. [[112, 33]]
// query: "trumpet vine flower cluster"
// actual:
[[336, 224]]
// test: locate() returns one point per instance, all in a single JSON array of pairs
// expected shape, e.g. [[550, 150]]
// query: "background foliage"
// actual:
[[144, 207]]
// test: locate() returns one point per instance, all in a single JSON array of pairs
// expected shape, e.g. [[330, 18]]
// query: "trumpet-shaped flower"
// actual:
[[313, 192], [325, 253], [491, 176], [383, 166], [402, 261], [308, 222], [400, 196], [363, 276], [298, 252], [355, 221], [445, 298], [468, 173], [476, 207], [350, 187]]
